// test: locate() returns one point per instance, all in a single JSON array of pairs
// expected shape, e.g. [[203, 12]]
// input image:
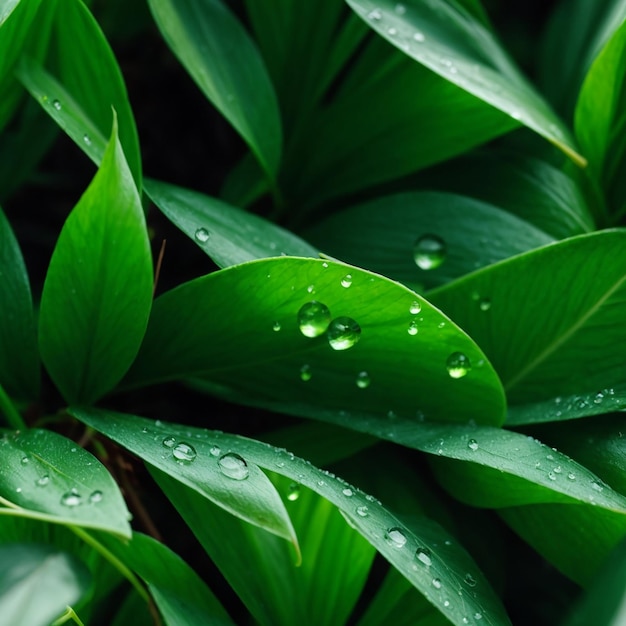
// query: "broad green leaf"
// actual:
[[181, 596], [603, 604], [227, 234], [98, 291], [180, 456], [253, 342], [446, 38], [37, 583], [450, 563], [19, 359], [554, 326], [224, 62], [45, 476], [425, 238], [89, 72]]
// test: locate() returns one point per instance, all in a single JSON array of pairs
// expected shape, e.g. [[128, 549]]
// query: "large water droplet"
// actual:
[[71, 498], [293, 492], [202, 235], [305, 373], [343, 333], [429, 252], [415, 308], [423, 556], [472, 444], [436, 583], [169, 442], [363, 380], [276, 326], [346, 281], [313, 319], [458, 365], [412, 329], [362, 511], [395, 537], [96, 496], [234, 466], [184, 452]]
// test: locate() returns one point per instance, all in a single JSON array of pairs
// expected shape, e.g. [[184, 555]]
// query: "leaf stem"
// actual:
[[7, 407]]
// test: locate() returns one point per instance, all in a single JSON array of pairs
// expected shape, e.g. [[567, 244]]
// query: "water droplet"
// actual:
[[362, 511], [234, 466], [202, 235], [71, 498], [346, 281], [215, 451], [313, 319], [184, 452], [597, 486], [18, 490], [429, 252], [375, 15], [276, 327], [392, 32], [458, 365], [395, 537], [96, 496], [419, 37], [293, 492], [478, 616], [363, 380], [551, 475], [557, 469], [87, 139], [472, 444], [305, 373], [415, 308], [169, 442], [441, 324], [343, 333], [436, 583], [43, 481], [571, 476], [484, 304], [25, 460], [469, 580], [412, 329], [57, 105], [348, 492], [423, 556], [310, 289], [598, 398]]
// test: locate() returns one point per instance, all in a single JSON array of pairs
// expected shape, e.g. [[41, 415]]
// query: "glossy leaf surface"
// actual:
[[240, 327]]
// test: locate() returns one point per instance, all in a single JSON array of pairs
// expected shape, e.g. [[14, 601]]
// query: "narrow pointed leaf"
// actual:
[[224, 62], [98, 290], [447, 39], [254, 342], [37, 583], [227, 234], [450, 563], [567, 301], [45, 476], [19, 359]]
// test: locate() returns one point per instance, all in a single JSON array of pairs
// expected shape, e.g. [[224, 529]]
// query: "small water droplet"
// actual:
[[415, 308], [313, 319], [310, 289], [596, 485], [429, 252], [441, 324], [362, 511], [343, 333], [458, 365], [571, 476], [234, 466], [25, 460], [375, 15], [469, 580], [419, 37], [57, 105], [436, 583], [392, 32], [202, 235], [557, 469], [363, 380], [169, 442], [96, 496], [347, 492], [395, 537], [18, 490], [276, 326], [71, 498], [412, 329], [478, 616], [87, 139], [551, 475], [184, 452], [215, 451], [423, 556], [346, 281], [305, 373], [43, 481], [293, 492], [472, 444], [484, 304]]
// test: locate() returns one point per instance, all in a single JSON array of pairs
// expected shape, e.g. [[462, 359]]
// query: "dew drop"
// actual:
[[305, 373], [57, 105], [233, 466], [96, 496], [362, 511], [429, 252], [436, 583], [184, 452], [87, 139], [313, 319], [169, 442], [348, 492], [310, 289], [557, 469], [276, 326], [375, 15], [551, 475], [441, 324], [395, 537], [25, 460], [478, 616], [597, 486], [293, 492], [215, 451], [458, 365], [412, 329], [343, 333], [598, 398], [363, 380], [419, 37], [71, 498], [392, 32], [43, 481], [571, 476], [423, 556], [469, 580], [346, 281], [472, 444], [484, 304], [202, 235], [415, 308]]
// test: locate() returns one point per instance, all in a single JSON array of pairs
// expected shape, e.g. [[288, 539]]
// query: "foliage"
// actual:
[[408, 319]]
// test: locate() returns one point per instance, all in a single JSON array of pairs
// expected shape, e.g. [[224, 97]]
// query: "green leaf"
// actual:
[[446, 38], [450, 563], [19, 358], [253, 342], [227, 234], [387, 234], [225, 63], [181, 596], [45, 476], [98, 290], [554, 326], [37, 583]]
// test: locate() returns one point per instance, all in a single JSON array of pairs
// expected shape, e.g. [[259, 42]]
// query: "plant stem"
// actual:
[[7, 407]]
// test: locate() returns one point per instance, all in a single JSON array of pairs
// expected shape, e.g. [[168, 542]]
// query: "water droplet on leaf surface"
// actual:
[[43, 481], [305, 373], [215, 451], [57, 105], [71, 498], [429, 252], [313, 319], [415, 308], [458, 365], [343, 333], [472, 444], [395, 537], [469, 580], [346, 281], [419, 37], [87, 139], [25, 460], [169, 442], [202, 235], [96, 496], [436, 583], [293, 492], [412, 329], [184, 452], [362, 511], [423, 556], [363, 380], [276, 326], [234, 466]]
